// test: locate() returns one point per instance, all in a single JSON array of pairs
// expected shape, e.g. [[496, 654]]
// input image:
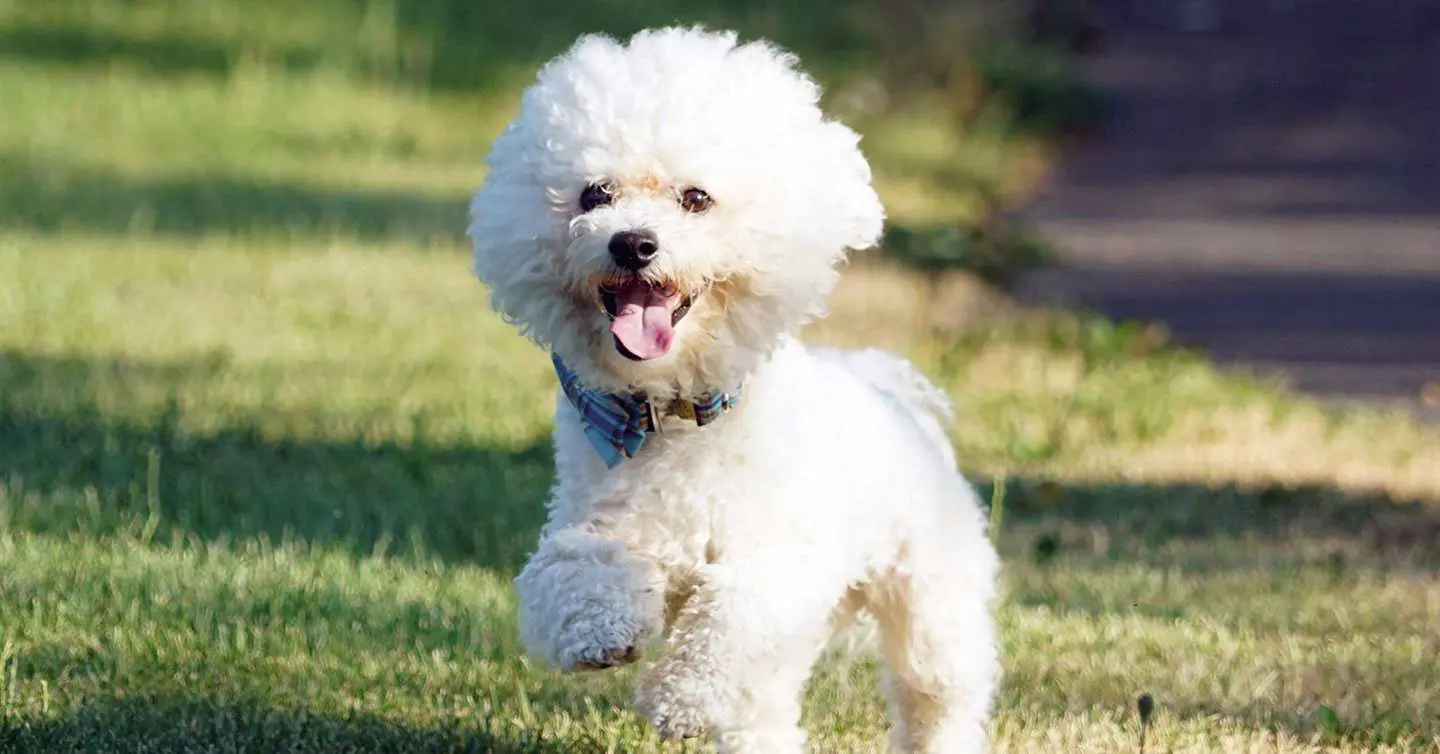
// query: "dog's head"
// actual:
[[661, 212]]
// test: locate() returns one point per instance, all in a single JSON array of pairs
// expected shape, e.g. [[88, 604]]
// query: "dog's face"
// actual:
[[660, 213]]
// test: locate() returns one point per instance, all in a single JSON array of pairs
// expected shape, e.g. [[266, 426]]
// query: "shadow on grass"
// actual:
[[470, 41], [36, 196], [1135, 518], [187, 724], [159, 55], [447, 45], [469, 47], [70, 466]]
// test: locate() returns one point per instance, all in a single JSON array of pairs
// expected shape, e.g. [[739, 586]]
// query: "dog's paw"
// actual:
[[600, 658], [590, 612], [600, 638]]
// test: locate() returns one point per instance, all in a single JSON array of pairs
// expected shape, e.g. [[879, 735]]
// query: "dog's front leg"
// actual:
[[736, 660], [587, 602]]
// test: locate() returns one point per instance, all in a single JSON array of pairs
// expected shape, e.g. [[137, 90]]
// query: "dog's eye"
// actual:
[[596, 195], [694, 200]]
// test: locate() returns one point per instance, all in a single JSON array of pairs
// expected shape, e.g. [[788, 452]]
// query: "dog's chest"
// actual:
[[670, 500], [671, 526]]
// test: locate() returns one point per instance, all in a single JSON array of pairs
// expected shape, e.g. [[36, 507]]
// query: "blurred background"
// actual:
[[267, 462]]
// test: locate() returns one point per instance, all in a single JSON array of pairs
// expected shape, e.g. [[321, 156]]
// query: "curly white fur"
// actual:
[[739, 546]]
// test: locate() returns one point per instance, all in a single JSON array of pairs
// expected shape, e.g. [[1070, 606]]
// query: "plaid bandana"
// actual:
[[617, 425]]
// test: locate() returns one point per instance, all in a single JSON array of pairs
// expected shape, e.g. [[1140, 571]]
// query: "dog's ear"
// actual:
[[509, 219], [859, 212]]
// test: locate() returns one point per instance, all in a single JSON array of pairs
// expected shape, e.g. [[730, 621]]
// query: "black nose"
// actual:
[[633, 249]]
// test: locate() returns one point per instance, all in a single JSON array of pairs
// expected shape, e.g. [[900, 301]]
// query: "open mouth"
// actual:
[[643, 315]]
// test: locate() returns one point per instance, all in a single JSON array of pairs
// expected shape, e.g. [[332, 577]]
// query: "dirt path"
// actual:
[[1270, 189]]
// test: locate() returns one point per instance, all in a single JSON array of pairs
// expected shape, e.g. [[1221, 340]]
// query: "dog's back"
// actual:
[[898, 379]]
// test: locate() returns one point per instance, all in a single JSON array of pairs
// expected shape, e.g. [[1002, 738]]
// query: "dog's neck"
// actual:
[[617, 424]]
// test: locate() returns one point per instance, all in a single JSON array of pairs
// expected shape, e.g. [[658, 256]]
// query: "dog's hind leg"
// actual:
[[941, 660]]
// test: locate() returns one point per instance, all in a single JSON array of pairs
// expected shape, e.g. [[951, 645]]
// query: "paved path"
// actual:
[[1270, 189]]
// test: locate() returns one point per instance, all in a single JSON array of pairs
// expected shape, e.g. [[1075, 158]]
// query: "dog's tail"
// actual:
[[927, 404]]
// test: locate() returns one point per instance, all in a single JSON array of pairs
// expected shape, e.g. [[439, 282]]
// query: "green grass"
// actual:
[[267, 464]]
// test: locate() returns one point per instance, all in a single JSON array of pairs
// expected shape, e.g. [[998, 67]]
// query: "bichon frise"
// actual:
[[663, 216]]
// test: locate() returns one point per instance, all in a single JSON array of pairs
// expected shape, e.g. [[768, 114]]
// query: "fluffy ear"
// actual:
[[509, 221], [496, 246], [859, 211]]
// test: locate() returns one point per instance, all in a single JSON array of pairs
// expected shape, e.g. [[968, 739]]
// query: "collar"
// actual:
[[617, 425]]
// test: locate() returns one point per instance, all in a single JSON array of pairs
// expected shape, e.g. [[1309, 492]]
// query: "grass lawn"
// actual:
[[267, 464]]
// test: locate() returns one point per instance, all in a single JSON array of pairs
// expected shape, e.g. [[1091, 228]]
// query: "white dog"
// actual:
[[663, 216]]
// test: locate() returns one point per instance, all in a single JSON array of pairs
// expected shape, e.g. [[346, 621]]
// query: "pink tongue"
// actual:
[[642, 319]]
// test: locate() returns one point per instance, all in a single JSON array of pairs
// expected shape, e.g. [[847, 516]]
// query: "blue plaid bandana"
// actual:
[[617, 425]]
